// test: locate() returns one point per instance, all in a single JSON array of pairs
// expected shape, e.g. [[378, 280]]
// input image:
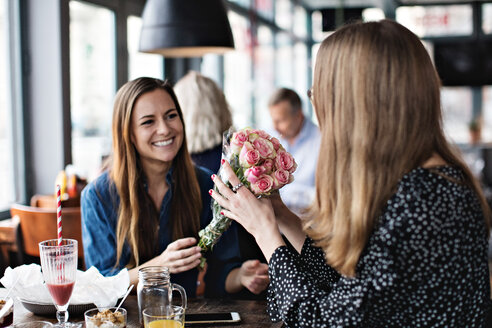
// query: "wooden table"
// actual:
[[253, 313]]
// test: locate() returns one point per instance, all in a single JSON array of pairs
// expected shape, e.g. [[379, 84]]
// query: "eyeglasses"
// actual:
[[310, 93]]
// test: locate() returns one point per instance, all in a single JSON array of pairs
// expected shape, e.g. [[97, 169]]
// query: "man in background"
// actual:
[[300, 137]]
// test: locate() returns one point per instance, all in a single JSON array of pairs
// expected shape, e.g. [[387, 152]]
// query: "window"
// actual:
[[301, 68], [264, 75], [317, 26], [449, 30], [487, 18], [11, 144], [284, 61], [237, 64], [372, 14], [93, 85], [265, 8], [272, 40], [300, 22], [283, 14], [141, 64], [432, 21], [6, 165], [487, 113], [457, 106]]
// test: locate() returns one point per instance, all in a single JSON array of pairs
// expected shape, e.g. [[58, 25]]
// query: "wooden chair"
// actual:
[[49, 201], [38, 224]]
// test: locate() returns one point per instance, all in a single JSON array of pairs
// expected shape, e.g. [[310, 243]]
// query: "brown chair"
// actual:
[[38, 224], [49, 201]]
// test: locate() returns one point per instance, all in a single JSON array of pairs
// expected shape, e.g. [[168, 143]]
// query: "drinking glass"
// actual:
[[59, 266], [169, 316], [155, 289]]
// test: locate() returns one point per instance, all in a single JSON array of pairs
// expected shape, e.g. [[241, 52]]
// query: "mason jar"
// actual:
[[155, 289]]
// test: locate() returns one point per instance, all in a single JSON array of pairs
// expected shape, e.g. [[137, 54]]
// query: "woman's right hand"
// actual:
[[180, 255]]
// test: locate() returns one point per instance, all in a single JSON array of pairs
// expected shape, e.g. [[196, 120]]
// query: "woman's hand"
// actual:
[[252, 275], [180, 255], [255, 215]]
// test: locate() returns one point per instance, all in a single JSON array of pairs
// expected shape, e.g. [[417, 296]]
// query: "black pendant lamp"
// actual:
[[185, 28]]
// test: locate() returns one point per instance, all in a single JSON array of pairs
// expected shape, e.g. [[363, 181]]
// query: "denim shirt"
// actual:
[[100, 202]]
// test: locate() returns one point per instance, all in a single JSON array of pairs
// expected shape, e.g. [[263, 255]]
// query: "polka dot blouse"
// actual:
[[425, 265]]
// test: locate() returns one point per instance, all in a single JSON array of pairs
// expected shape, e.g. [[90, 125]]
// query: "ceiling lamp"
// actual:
[[185, 28]]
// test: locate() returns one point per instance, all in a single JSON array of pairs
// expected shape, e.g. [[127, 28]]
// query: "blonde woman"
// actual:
[[207, 116], [147, 209], [399, 228]]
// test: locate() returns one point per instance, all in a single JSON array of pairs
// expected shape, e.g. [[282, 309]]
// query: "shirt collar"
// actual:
[[169, 178]]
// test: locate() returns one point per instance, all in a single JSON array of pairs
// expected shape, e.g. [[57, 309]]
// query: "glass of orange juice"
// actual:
[[169, 316]]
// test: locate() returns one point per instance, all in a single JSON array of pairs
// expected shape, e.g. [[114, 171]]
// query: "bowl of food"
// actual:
[[105, 318]]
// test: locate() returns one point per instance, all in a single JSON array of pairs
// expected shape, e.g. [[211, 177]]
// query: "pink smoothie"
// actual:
[[61, 292]]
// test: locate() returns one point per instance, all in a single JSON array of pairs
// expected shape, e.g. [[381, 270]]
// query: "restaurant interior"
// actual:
[[62, 61]]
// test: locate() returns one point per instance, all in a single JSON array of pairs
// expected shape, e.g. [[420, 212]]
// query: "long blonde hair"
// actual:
[[205, 109], [137, 216], [377, 99]]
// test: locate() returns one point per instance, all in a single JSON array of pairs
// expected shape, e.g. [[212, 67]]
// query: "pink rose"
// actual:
[[253, 173], [276, 143], [248, 155], [263, 185], [237, 141], [247, 130], [264, 147], [285, 161], [281, 178], [262, 134], [252, 136], [268, 164]]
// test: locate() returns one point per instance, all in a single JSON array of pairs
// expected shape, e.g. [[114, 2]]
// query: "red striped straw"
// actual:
[[58, 214]]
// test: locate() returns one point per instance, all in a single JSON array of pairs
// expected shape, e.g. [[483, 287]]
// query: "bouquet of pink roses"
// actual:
[[261, 164]]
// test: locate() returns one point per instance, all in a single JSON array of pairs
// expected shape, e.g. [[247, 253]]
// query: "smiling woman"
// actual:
[[152, 201], [157, 130]]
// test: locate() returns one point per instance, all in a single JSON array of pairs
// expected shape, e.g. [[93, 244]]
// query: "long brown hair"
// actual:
[[377, 99], [137, 216]]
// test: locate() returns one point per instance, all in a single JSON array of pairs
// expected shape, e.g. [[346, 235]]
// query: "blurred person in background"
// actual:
[[207, 116], [300, 137]]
